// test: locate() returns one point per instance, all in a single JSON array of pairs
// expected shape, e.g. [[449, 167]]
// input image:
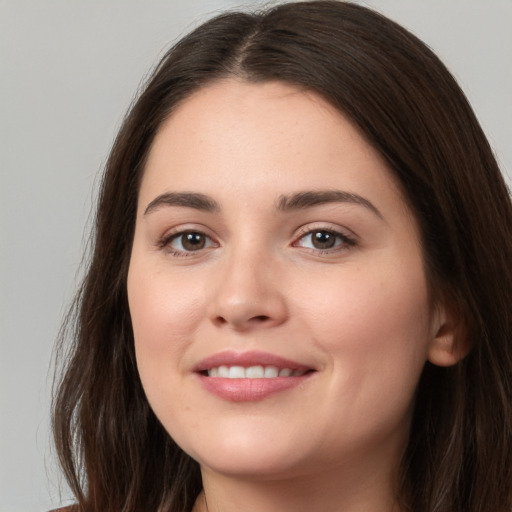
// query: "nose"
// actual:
[[248, 294]]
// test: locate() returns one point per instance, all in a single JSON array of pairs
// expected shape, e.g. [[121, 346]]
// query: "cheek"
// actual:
[[164, 311], [375, 328], [377, 314]]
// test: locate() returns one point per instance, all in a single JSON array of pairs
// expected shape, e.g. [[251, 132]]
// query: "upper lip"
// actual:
[[248, 359]]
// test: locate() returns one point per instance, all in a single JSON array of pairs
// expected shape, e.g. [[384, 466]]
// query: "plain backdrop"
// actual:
[[69, 70]]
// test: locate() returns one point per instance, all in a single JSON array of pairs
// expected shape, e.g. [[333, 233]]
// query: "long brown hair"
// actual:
[[115, 454]]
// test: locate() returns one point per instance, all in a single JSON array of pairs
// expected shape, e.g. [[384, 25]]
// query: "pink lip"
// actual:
[[246, 390]]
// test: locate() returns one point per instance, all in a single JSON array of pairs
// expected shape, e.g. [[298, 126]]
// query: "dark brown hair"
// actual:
[[115, 454]]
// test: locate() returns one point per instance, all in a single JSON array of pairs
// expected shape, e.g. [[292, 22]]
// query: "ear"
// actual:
[[450, 343]]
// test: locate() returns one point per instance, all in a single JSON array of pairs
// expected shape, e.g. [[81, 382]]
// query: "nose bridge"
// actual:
[[247, 292]]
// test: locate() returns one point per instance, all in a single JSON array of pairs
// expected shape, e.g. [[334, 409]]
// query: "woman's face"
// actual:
[[276, 286]]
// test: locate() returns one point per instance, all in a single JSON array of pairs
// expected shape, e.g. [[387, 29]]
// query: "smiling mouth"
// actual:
[[250, 376], [253, 372]]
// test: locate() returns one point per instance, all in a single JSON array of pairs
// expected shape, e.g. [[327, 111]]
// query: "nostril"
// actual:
[[261, 318]]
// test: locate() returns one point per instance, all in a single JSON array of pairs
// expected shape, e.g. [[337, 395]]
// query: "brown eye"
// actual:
[[188, 241], [323, 239], [193, 241]]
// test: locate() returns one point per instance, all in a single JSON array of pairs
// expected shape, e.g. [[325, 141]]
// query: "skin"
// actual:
[[357, 313]]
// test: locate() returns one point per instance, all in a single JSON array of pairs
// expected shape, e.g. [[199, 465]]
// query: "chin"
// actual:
[[247, 454], [255, 466]]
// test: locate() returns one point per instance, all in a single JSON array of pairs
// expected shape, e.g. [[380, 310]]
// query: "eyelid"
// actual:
[[348, 238], [164, 241]]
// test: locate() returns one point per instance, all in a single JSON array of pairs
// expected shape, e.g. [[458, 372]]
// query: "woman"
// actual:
[[300, 287]]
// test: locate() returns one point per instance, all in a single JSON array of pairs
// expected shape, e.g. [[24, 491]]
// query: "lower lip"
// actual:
[[248, 390]]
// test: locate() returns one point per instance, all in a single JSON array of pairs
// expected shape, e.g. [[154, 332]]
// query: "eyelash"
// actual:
[[342, 241], [166, 241]]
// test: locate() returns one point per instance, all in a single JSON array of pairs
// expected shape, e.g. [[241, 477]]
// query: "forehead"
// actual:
[[269, 137]]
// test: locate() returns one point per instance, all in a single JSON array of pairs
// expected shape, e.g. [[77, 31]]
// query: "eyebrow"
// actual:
[[308, 199], [297, 201], [187, 199]]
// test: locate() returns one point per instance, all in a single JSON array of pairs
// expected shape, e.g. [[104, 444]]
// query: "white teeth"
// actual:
[[236, 372], [223, 371], [271, 372], [253, 372]]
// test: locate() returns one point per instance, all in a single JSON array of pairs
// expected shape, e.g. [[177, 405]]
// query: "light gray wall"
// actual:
[[69, 69]]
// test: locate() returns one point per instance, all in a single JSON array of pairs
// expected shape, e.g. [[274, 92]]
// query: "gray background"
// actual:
[[69, 70]]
